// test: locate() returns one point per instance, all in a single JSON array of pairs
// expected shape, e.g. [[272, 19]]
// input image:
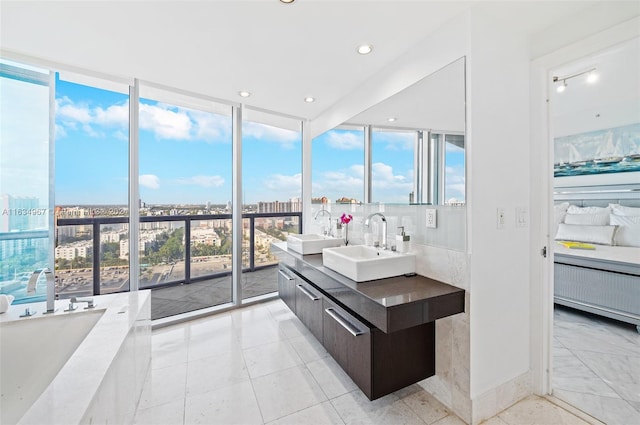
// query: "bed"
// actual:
[[604, 280]]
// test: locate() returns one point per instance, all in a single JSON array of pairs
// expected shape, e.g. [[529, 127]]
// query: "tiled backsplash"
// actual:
[[450, 232]]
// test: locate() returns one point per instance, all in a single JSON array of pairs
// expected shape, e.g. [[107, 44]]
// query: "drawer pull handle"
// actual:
[[286, 276], [307, 293], [343, 322]]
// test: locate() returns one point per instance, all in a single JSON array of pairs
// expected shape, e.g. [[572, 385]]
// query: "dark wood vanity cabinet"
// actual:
[[382, 333], [379, 363]]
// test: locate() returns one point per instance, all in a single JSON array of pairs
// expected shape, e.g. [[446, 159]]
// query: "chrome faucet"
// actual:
[[384, 227], [315, 217], [51, 289]]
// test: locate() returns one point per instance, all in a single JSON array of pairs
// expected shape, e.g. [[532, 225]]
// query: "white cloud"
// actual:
[[149, 181], [89, 130], [454, 174], [455, 190], [345, 140], [284, 183], [114, 115], [66, 110], [165, 123], [60, 132], [93, 122], [204, 181], [211, 127], [121, 135], [284, 137], [394, 141], [335, 184], [384, 178]]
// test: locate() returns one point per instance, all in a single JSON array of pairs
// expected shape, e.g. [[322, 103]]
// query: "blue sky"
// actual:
[[185, 155]]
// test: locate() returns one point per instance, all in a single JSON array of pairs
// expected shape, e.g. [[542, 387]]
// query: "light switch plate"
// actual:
[[522, 216], [500, 218], [432, 218]]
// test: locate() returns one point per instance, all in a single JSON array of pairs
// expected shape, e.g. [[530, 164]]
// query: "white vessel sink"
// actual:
[[311, 243], [362, 263]]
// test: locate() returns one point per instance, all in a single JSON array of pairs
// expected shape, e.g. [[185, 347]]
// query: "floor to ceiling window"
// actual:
[[91, 186], [25, 210], [272, 194], [179, 149], [185, 166]]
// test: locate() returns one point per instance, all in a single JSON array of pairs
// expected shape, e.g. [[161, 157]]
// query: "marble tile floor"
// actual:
[[259, 365], [596, 366]]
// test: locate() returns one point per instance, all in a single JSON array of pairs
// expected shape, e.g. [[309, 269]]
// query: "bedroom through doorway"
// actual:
[[594, 106]]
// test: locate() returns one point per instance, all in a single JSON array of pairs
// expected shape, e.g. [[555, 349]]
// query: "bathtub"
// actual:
[[85, 366]]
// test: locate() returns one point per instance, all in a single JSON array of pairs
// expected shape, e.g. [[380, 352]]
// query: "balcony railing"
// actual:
[[210, 231]]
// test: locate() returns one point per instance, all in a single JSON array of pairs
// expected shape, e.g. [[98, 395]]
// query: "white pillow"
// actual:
[[618, 209], [602, 235], [559, 211], [574, 209], [600, 219], [628, 233]]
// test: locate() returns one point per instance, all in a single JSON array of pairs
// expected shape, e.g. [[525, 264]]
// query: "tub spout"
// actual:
[[51, 287]]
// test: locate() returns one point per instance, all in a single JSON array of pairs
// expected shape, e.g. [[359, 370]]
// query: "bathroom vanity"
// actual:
[[382, 332]]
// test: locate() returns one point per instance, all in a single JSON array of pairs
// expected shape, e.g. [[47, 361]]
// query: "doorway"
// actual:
[[594, 117]]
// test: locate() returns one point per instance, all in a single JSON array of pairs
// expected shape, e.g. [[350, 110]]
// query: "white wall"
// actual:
[[498, 177]]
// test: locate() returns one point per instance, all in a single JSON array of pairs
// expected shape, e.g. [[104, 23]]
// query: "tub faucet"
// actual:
[[89, 302], [384, 227], [51, 289], [315, 217]]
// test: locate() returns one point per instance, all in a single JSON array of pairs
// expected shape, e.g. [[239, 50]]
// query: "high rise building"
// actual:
[[16, 213], [293, 205]]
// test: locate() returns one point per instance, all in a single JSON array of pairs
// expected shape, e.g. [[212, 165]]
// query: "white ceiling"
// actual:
[[437, 102], [281, 53]]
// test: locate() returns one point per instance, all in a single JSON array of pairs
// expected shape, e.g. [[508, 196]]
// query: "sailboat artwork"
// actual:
[[612, 150]]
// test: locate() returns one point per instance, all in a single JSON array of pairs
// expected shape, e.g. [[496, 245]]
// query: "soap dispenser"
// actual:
[[403, 242]]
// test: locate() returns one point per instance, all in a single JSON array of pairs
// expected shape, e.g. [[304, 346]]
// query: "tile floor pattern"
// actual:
[[596, 366], [259, 365]]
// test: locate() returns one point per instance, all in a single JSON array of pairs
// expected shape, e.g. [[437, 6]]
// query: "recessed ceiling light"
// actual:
[[365, 49], [391, 119], [244, 93], [287, 1], [309, 99], [592, 77]]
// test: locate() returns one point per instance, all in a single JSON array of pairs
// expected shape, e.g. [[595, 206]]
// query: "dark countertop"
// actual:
[[389, 304]]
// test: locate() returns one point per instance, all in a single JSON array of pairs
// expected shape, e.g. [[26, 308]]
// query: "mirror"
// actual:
[[418, 141]]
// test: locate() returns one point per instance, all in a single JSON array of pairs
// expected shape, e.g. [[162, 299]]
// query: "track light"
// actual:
[[562, 87], [592, 77]]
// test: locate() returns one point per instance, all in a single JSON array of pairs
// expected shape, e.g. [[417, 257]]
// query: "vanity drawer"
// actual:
[[309, 306], [349, 342], [286, 288]]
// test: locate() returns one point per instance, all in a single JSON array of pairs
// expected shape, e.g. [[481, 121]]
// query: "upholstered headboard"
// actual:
[[599, 196]]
